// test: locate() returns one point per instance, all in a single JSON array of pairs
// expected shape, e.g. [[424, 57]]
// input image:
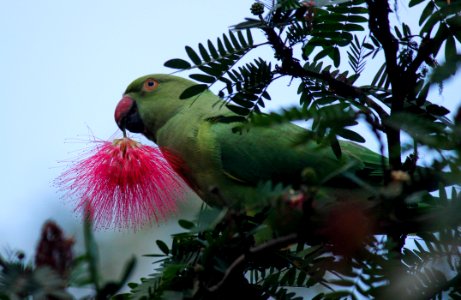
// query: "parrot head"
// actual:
[[149, 102]]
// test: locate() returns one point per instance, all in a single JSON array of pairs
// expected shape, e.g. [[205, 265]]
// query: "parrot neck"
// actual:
[[189, 111], [163, 114]]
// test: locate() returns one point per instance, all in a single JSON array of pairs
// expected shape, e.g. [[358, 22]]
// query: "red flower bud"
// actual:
[[123, 183]]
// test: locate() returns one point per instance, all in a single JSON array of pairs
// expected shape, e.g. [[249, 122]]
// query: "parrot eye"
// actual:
[[150, 85]]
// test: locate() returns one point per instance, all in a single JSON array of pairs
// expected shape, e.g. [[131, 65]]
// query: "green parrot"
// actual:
[[224, 166]]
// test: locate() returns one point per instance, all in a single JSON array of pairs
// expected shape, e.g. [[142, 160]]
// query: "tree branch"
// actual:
[[380, 28], [427, 48], [436, 220], [291, 66], [253, 252]]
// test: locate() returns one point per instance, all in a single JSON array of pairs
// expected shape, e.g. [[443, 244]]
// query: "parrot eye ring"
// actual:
[[150, 85]]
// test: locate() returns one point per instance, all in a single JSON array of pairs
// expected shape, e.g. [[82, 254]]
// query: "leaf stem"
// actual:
[[253, 252]]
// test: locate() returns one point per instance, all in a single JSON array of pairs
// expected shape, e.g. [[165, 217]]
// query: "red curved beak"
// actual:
[[122, 110]]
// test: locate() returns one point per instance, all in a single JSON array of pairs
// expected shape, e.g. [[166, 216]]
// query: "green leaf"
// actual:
[[308, 49], [242, 39], [320, 296], [163, 247], [355, 10], [342, 282], [92, 252], [238, 110], [221, 48], [249, 23], [289, 277], [132, 285], [203, 78], [322, 53], [428, 10], [406, 30], [244, 100], [338, 37], [301, 278], [206, 57], [228, 44], [186, 224], [352, 27], [415, 2], [368, 46], [213, 50], [450, 48], [446, 70], [249, 37], [333, 27], [336, 147], [356, 19], [430, 24], [127, 271], [398, 33], [351, 135], [193, 91], [177, 63], [421, 129], [193, 55], [381, 73], [336, 57], [437, 110], [266, 95], [317, 41], [422, 95], [211, 69], [455, 25]]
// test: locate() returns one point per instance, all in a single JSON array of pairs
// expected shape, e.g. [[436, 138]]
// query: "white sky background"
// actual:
[[63, 67]]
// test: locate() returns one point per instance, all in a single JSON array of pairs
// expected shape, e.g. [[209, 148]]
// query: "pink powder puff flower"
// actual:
[[123, 183]]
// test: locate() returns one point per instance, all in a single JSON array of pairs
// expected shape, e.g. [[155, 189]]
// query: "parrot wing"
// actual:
[[276, 153]]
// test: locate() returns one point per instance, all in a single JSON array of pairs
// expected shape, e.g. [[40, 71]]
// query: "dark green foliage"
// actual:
[[178, 63], [215, 60], [55, 269], [357, 55], [402, 242], [19, 280], [446, 70], [417, 253], [224, 259], [248, 86]]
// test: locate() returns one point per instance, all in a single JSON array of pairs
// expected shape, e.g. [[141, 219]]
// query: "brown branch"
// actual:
[[376, 107], [380, 28], [291, 66], [252, 252], [432, 221], [428, 48]]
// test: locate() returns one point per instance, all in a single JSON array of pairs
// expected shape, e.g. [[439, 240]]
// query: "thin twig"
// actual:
[[252, 252], [291, 66]]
